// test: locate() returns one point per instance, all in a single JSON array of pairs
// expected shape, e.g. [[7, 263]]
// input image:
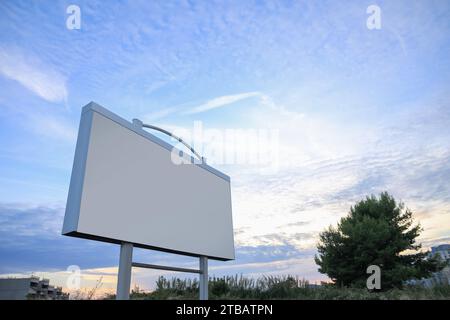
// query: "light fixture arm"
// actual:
[[149, 126]]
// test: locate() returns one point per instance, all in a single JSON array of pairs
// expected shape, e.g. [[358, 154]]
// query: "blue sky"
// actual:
[[357, 111]]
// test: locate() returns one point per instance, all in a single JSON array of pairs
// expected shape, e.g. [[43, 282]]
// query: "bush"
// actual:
[[282, 287]]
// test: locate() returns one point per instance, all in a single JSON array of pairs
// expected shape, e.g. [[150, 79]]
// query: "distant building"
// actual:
[[30, 288], [442, 251], [442, 277]]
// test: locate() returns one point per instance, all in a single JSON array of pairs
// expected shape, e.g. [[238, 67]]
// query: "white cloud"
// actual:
[[221, 101], [53, 127], [208, 105], [159, 114], [31, 73]]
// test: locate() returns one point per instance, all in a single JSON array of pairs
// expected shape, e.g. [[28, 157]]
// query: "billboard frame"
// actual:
[[72, 214], [79, 168]]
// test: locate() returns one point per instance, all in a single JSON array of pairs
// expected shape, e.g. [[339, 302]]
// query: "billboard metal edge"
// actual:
[[78, 173]]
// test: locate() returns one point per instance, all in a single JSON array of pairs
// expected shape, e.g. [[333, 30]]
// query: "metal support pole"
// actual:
[[203, 278], [124, 276], [159, 267]]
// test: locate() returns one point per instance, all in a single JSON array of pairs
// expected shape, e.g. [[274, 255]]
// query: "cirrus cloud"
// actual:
[[32, 74], [221, 101]]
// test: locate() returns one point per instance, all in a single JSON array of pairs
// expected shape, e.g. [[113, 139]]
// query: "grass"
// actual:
[[281, 287]]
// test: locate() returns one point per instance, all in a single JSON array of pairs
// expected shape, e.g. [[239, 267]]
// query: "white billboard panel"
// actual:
[[125, 188]]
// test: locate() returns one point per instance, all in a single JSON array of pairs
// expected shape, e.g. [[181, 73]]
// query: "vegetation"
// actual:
[[280, 287], [87, 294], [377, 231]]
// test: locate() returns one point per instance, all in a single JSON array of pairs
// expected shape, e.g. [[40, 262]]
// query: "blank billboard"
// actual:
[[126, 188]]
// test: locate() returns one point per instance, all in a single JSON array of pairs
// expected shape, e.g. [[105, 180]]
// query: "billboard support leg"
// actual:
[[124, 276], [203, 278]]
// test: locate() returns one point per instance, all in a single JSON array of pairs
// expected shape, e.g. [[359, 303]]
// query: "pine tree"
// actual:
[[377, 231]]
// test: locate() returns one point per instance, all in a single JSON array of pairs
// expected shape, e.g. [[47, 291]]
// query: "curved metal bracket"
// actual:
[[149, 126]]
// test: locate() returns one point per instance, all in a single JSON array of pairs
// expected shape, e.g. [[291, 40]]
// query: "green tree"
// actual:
[[377, 231]]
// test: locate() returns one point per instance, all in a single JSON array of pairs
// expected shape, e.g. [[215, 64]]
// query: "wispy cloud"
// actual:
[[33, 233], [159, 114], [31, 73], [53, 127], [221, 101], [208, 105]]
